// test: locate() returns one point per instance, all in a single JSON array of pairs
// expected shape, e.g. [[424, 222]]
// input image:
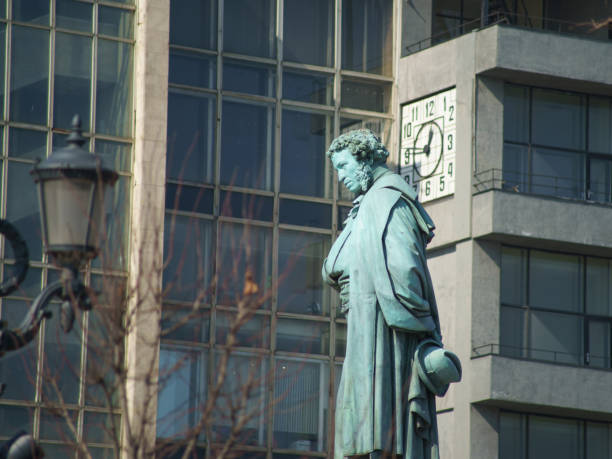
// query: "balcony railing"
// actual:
[[589, 28], [543, 355], [543, 185]]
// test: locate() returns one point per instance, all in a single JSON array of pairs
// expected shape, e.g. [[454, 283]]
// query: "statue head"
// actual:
[[355, 155]]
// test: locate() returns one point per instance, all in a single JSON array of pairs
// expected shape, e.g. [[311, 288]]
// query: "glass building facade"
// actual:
[[58, 58], [257, 90]]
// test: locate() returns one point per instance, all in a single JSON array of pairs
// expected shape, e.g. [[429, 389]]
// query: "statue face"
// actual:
[[348, 170]]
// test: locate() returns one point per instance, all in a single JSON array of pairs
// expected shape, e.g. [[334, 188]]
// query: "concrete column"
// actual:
[[146, 235]]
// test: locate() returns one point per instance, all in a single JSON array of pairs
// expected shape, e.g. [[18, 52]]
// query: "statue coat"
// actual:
[[382, 406]]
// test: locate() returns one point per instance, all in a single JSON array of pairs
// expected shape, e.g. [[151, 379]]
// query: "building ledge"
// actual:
[[541, 387], [542, 221]]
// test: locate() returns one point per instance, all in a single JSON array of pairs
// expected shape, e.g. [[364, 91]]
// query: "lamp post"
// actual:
[[71, 189]]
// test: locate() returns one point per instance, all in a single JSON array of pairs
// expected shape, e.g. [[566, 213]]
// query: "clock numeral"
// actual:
[[408, 130], [450, 142], [416, 187], [451, 110], [407, 179], [429, 108], [450, 169], [415, 113], [427, 188], [441, 183]]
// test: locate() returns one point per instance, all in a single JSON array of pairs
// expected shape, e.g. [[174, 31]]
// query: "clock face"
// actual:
[[427, 147]]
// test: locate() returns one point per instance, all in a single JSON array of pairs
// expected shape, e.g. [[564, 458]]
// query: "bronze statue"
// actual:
[[395, 363]]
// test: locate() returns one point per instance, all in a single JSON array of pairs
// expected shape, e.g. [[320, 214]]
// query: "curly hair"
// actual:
[[363, 145]]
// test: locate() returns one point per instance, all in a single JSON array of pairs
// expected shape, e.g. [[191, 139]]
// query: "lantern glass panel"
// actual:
[[68, 212]]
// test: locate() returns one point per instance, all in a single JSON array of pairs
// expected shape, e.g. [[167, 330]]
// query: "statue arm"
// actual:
[[404, 251]]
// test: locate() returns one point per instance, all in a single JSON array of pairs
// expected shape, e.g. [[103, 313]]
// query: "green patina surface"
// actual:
[[378, 265]]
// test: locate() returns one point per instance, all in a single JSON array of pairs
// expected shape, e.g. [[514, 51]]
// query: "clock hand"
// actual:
[[426, 148]]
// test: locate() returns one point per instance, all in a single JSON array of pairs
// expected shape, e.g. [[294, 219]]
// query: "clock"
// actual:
[[427, 145]]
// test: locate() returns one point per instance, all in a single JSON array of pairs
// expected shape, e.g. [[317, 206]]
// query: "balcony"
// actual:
[[447, 25], [577, 189]]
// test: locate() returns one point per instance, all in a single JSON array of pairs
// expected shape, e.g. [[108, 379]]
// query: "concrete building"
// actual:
[[218, 113]]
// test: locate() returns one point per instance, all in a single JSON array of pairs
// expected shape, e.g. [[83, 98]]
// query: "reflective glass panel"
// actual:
[[248, 27], [365, 96], [516, 113], [313, 19], [600, 180], [185, 324], [15, 418], [511, 436], [556, 337], [512, 332], [182, 390], [245, 265], [599, 344], [115, 22], [34, 11], [62, 360], [367, 35], [100, 373], [314, 88], [554, 437], [514, 276], [244, 373], [29, 74], [300, 415], [192, 69], [558, 119], [72, 86], [516, 168], [305, 213], [115, 225], [598, 287], [188, 251], [249, 78], [191, 136], [22, 207], [302, 336], [304, 167], [117, 155], [114, 88], [18, 369], [558, 173], [24, 143], [600, 125], [30, 287], [242, 205], [300, 260], [2, 69], [598, 440], [101, 427], [55, 425], [340, 340], [254, 332], [246, 159], [193, 23], [555, 281], [74, 15], [189, 198]]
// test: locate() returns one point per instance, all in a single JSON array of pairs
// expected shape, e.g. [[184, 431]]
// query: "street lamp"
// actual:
[[71, 190], [72, 184]]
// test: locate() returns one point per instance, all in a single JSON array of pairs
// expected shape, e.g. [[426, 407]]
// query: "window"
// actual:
[[252, 206], [529, 436], [556, 307], [557, 143]]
